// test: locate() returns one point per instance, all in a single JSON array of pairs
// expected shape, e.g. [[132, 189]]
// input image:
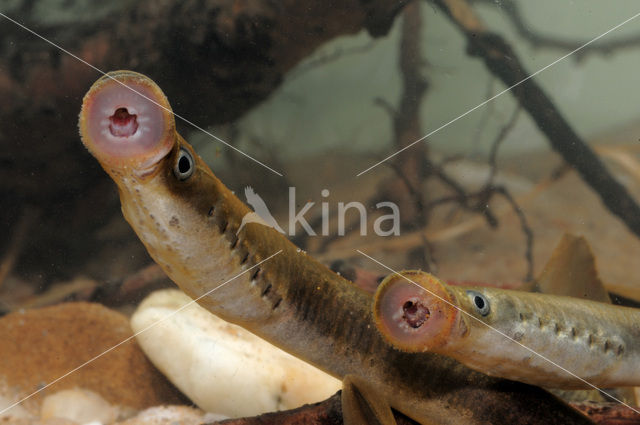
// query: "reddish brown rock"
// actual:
[[39, 346]]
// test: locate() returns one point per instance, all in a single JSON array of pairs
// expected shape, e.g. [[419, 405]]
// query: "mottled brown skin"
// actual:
[[189, 227]]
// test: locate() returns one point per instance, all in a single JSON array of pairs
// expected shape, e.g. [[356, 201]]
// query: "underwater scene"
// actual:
[[383, 212]]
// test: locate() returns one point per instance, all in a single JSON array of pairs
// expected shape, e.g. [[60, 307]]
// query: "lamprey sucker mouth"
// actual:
[[126, 121], [414, 311]]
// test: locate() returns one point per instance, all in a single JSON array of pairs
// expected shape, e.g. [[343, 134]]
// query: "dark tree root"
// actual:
[[503, 62]]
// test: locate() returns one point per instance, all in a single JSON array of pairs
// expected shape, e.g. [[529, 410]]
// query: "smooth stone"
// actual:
[[221, 367], [165, 415], [80, 405]]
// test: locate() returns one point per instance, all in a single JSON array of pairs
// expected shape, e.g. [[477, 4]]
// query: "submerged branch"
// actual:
[[503, 62], [329, 412], [540, 40]]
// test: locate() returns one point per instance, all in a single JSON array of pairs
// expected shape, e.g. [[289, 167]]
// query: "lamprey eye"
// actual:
[[184, 165], [480, 303]]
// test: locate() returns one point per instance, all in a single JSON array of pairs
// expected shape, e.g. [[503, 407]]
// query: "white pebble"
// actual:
[[221, 367], [79, 405]]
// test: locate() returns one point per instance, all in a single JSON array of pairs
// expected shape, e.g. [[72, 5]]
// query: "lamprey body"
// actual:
[[598, 342], [188, 220]]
